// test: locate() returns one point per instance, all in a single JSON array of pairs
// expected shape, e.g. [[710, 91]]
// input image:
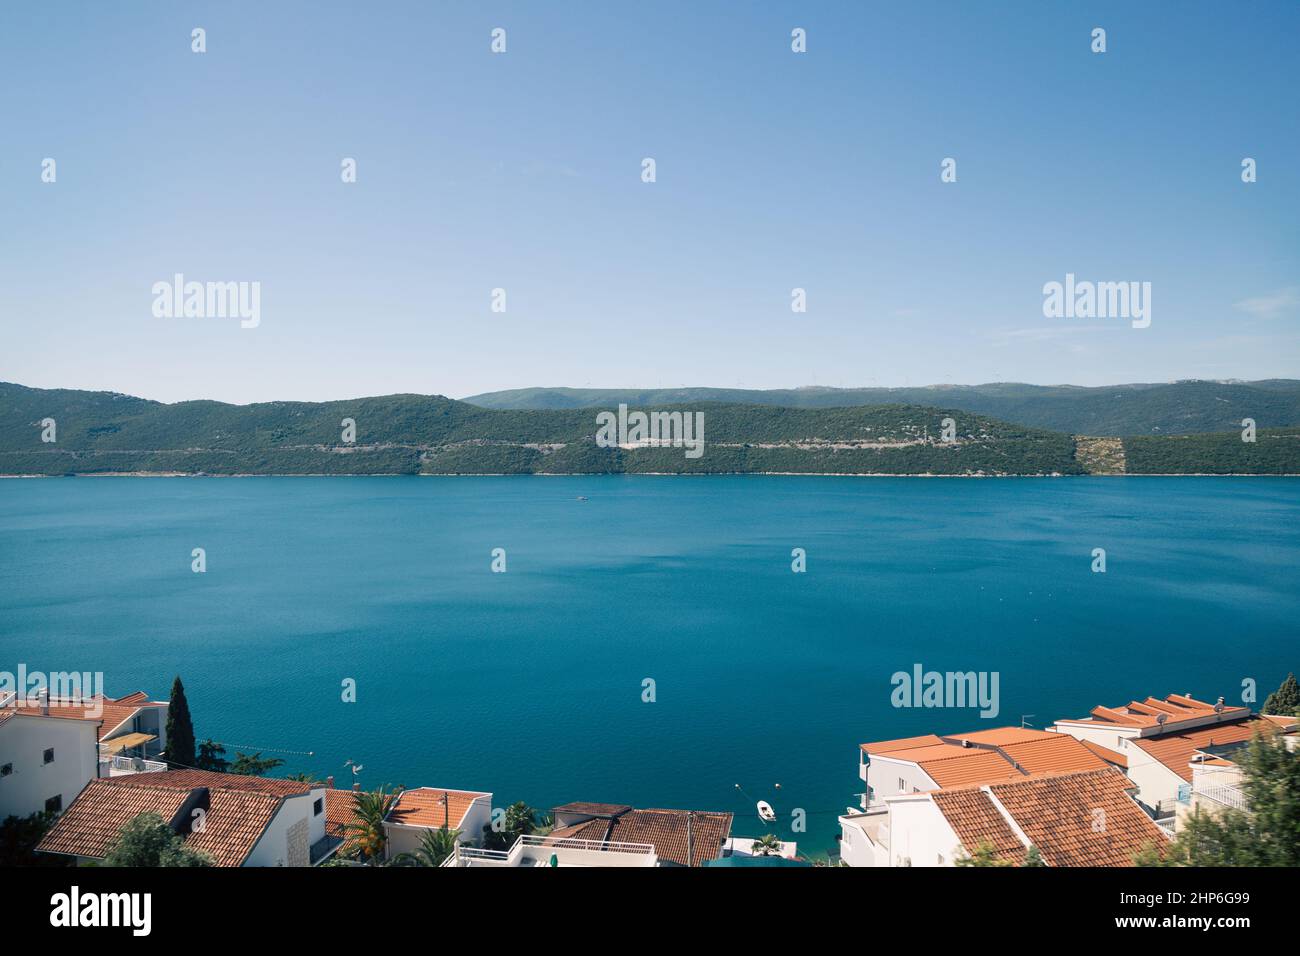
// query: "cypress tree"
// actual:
[[180, 729]]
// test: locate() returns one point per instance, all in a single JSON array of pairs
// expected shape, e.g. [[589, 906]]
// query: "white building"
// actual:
[[423, 809], [51, 749]]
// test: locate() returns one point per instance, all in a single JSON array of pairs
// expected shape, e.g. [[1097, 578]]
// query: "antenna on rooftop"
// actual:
[[1024, 721]]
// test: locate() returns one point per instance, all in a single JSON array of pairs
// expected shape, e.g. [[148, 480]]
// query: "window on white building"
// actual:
[[48, 757]]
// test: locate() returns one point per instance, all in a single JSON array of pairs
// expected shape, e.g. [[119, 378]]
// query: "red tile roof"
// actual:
[[1106, 754], [189, 779], [973, 817], [593, 809], [110, 713], [1175, 751], [423, 807], [1001, 736], [93, 822], [902, 743], [666, 830], [968, 766], [239, 809], [996, 754], [1079, 819], [1146, 714], [1053, 753]]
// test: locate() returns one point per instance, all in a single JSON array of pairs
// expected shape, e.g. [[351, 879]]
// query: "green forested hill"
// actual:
[[1115, 410], [101, 432]]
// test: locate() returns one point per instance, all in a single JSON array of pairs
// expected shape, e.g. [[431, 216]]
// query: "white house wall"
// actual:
[[23, 742], [919, 835]]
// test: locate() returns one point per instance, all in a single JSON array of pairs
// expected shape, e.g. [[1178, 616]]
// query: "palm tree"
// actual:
[[366, 828], [766, 845], [435, 846]]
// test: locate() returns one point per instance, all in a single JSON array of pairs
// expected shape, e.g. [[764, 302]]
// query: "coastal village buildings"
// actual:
[[1092, 791], [1157, 742], [51, 749]]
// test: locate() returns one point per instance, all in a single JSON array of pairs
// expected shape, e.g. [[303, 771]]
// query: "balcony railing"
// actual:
[[117, 766], [1224, 796], [526, 848]]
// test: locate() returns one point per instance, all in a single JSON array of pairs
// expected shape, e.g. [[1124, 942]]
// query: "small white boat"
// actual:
[[765, 812]]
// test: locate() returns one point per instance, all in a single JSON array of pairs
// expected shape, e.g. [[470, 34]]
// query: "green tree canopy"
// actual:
[[212, 756], [1285, 701], [254, 765], [147, 840], [520, 820], [18, 839], [1267, 833]]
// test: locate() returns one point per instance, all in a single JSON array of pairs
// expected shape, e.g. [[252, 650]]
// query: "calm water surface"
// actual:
[[529, 683]]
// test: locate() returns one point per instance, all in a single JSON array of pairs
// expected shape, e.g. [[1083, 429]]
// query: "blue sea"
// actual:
[[529, 683]]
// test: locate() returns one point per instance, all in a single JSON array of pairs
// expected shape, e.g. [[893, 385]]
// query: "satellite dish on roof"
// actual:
[[1218, 708], [1161, 718]]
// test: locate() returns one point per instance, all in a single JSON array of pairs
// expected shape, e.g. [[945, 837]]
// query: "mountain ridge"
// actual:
[[1188, 406], [114, 433]]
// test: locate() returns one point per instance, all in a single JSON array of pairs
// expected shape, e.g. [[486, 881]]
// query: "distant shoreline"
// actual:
[[650, 474]]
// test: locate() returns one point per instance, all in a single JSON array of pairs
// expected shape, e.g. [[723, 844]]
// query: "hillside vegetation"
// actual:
[[1112, 410], [106, 433]]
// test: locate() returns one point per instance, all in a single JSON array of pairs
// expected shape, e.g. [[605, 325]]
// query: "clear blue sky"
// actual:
[[522, 171]]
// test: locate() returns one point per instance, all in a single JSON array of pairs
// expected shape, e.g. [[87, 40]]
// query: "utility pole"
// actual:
[[690, 838], [446, 812]]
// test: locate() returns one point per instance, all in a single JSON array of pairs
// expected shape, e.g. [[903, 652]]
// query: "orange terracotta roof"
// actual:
[[423, 807], [1106, 754], [1079, 819], [189, 779], [592, 809], [1054, 753], [663, 829], [1284, 722], [1175, 751], [902, 743], [939, 751], [975, 820], [968, 766], [235, 822], [92, 823], [1146, 713], [236, 817], [1002, 736], [109, 713]]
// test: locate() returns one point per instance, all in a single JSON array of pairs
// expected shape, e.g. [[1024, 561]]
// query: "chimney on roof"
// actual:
[[329, 782], [43, 695], [187, 814], [965, 742], [356, 786]]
